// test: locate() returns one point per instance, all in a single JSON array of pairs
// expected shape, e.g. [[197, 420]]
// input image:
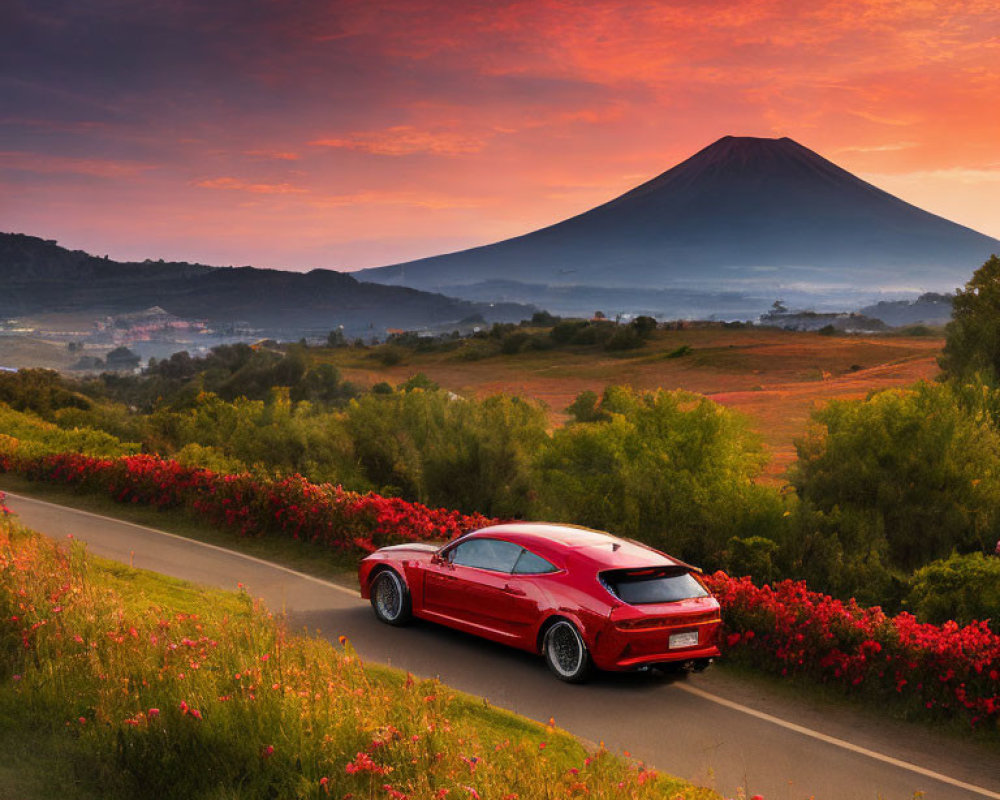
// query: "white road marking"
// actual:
[[329, 584], [712, 698], [832, 740]]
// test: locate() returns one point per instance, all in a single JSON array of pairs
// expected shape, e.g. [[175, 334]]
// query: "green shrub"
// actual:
[[33, 436], [753, 556], [912, 466], [445, 450], [669, 468], [961, 588], [972, 345]]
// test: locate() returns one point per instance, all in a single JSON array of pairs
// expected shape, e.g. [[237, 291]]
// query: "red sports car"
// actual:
[[577, 596]]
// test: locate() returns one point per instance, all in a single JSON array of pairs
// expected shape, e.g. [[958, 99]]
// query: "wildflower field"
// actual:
[[149, 687]]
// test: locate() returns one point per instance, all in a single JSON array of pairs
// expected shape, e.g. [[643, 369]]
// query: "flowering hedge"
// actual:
[[790, 630], [786, 629], [291, 506]]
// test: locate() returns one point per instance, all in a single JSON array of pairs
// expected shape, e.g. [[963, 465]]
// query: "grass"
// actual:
[[313, 559], [111, 686]]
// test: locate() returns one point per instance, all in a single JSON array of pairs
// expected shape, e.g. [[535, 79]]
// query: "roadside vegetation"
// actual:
[[149, 687], [893, 501]]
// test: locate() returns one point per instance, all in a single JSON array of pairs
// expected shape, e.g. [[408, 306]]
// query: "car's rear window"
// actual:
[[665, 585]]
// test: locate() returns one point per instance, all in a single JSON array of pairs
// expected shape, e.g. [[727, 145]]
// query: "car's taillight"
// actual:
[[642, 623], [673, 621]]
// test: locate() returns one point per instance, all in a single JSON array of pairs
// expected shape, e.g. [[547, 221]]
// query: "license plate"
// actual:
[[688, 639]]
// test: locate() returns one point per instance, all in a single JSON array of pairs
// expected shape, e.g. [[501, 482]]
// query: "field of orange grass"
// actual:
[[776, 377], [129, 684]]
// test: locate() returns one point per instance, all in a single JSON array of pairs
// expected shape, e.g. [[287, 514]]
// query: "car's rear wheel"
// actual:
[[565, 652], [390, 598]]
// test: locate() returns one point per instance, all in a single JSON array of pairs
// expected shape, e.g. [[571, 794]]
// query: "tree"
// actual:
[[122, 358], [913, 468], [432, 446], [670, 468], [973, 335]]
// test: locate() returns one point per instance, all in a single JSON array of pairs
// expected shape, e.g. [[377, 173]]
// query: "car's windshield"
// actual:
[[658, 585]]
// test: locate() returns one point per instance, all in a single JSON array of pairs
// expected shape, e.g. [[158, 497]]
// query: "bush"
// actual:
[[437, 448], [963, 588], [27, 434], [912, 467], [669, 468], [753, 556], [972, 345], [585, 408], [680, 352], [42, 391], [390, 355], [787, 629], [839, 551]]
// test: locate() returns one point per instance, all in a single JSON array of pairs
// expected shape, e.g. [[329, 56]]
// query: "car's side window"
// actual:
[[490, 554], [530, 564]]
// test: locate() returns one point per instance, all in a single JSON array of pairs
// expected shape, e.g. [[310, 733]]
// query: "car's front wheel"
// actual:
[[390, 598], [565, 652]]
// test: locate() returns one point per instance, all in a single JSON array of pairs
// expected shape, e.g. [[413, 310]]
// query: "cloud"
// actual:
[[404, 140], [274, 155], [888, 147], [237, 185], [316, 199], [49, 164], [411, 199], [954, 175]]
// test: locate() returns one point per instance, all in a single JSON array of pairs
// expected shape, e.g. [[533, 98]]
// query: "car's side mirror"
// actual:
[[437, 558]]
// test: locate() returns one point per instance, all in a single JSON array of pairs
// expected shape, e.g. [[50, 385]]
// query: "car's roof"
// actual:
[[603, 550]]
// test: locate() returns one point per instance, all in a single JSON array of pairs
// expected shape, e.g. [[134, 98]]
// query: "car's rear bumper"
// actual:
[[617, 650]]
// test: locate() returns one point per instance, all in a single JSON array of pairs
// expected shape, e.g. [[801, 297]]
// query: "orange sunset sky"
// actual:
[[301, 134]]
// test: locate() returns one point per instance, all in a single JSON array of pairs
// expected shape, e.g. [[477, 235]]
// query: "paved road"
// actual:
[[714, 729]]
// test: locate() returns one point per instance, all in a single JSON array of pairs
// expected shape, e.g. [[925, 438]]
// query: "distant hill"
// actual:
[[747, 215], [928, 309], [39, 276]]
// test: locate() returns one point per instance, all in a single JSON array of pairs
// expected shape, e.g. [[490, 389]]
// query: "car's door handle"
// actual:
[[447, 577], [512, 590]]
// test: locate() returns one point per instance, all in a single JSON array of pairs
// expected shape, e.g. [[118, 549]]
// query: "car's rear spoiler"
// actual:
[[677, 561]]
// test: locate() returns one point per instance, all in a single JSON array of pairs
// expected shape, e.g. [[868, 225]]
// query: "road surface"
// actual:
[[715, 729]]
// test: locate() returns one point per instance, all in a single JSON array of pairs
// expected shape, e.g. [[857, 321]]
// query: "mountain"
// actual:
[[745, 215], [38, 276]]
